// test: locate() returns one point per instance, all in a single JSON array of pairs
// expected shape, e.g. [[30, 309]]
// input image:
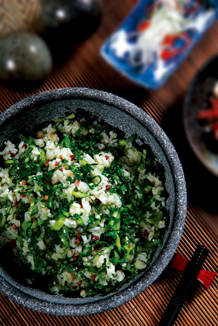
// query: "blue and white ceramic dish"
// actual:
[[156, 37]]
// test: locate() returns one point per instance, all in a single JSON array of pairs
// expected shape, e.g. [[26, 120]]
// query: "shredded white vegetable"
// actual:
[[143, 47]]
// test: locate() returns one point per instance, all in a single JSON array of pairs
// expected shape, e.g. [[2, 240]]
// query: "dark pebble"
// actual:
[[68, 22], [25, 60]]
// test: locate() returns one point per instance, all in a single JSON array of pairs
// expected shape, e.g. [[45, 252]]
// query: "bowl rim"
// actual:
[[179, 216]]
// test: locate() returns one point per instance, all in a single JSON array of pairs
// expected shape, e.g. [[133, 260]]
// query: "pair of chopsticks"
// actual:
[[186, 286]]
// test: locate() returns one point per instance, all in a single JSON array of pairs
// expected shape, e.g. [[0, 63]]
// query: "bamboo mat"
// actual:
[[85, 68]]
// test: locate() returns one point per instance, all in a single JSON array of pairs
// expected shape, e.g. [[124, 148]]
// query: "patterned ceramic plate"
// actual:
[[156, 37]]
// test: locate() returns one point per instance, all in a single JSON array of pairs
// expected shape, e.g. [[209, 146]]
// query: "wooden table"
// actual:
[[86, 68]]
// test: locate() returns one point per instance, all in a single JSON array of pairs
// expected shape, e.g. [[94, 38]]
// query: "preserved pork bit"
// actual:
[[40, 135], [145, 233], [51, 135], [16, 204], [13, 243]]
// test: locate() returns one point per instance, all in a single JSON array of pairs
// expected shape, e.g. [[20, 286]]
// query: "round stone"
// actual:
[[25, 60], [76, 18], [67, 22]]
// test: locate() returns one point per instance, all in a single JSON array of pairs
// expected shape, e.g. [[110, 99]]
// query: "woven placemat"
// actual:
[[19, 15], [86, 69]]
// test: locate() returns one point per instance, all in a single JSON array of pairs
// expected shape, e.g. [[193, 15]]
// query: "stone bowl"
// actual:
[[25, 116]]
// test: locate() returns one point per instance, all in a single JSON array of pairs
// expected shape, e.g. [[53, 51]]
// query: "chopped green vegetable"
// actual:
[[32, 204], [144, 154], [79, 194], [9, 162], [118, 244], [123, 142], [156, 219], [43, 156], [69, 117], [148, 245], [58, 224], [80, 205], [2, 220], [83, 162]]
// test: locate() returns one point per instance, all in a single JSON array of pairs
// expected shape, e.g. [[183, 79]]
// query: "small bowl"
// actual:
[[25, 116], [202, 142]]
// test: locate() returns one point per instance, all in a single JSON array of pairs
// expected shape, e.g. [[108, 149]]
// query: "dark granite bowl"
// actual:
[[25, 116]]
